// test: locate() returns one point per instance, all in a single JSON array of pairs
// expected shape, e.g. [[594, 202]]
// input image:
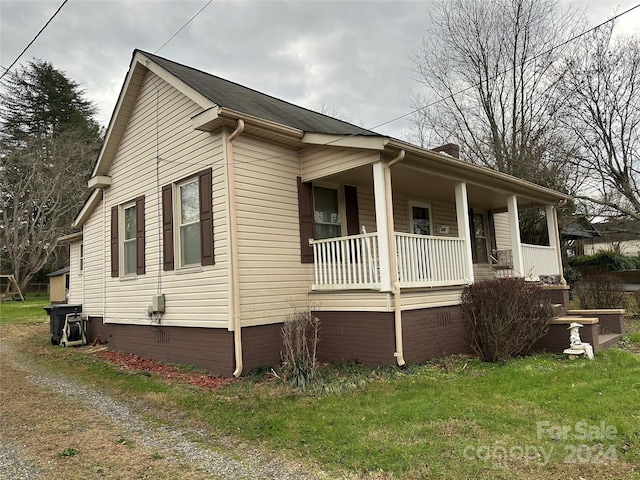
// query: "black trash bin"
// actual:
[[57, 316]]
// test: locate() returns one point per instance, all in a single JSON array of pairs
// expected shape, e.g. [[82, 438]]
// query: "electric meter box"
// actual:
[[157, 303]]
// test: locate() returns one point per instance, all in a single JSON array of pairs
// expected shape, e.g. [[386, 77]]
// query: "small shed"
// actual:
[[58, 285]]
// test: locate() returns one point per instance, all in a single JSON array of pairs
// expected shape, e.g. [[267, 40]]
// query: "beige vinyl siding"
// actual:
[[160, 126], [273, 281], [75, 275], [444, 214], [437, 297], [321, 162], [503, 232], [96, 262], [351, 301]]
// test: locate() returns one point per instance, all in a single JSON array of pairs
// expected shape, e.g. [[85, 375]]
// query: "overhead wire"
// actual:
[[183, 26], [34, 39], [435, 102]]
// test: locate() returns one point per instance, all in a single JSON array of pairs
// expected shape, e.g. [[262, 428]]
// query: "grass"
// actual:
[[29, 311], [534, 417]]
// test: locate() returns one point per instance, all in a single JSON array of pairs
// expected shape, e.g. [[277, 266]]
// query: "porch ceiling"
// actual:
[[422, 184]]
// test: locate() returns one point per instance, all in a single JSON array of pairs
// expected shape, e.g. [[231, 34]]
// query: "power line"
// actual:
[[34, 39], [343, 137], [181, 28], [535, 57]]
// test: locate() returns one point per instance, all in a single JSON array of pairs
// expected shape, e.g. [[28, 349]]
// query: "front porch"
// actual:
[[431, 228], [354, 262]]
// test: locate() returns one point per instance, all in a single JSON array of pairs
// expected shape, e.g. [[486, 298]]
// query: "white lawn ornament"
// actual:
[[576, 346]]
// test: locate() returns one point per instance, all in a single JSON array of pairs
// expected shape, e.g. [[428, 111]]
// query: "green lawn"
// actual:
[[29, 311], [529, 418]]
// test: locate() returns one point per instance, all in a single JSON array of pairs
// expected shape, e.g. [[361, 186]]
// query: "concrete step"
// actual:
[[607, 340]]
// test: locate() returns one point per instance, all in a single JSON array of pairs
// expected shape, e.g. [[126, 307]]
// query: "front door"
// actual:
[[479, 237]]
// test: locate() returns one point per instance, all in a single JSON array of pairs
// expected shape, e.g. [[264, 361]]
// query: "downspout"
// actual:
[[393, 260], [233, 250]]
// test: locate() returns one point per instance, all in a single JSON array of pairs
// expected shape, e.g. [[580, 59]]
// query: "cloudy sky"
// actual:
[[354, 57]]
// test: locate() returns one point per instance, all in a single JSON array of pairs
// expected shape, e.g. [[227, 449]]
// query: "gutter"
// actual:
[[233, 251], [399, 353]]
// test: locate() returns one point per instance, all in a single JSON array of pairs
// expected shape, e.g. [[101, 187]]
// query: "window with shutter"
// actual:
[[187, 222]]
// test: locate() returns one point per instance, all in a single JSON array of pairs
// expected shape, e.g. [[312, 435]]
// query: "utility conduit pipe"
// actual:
[[233, 250], [399, 353]]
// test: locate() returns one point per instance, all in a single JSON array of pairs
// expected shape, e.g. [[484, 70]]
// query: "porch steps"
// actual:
[[601, 328], [607, 340]]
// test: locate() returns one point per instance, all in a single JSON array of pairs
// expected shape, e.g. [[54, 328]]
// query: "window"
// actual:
[[187, 222], [326, 212], [81, 257], [319, 214], [127, 239], [420, 218]]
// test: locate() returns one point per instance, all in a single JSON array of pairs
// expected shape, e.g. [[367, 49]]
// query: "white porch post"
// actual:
[[464, 232], [382, 225], [554, 236], [516, 244]]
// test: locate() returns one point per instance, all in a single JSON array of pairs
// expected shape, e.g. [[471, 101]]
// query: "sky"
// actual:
[[355, 57]]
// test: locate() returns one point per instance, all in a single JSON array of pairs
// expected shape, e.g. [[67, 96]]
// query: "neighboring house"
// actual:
[[218, 210], [621, 237]]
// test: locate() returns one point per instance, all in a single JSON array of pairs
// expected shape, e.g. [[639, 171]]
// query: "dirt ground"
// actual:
[[62, 436]]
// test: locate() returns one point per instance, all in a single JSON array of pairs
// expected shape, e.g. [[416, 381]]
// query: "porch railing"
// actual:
[[430, 261], [346, 262], [539, 260]]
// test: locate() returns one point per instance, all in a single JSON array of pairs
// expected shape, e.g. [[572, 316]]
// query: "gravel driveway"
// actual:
[[213, 457]]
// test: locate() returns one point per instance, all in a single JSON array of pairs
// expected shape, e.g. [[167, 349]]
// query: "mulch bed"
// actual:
[[171, 373]]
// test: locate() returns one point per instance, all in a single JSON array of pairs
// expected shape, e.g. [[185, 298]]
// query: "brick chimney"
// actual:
[[450, 149]]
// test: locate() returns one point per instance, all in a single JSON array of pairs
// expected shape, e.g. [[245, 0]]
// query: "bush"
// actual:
[[505, 317], [572, 276], [600, 291], [608, 261], [300, 338]]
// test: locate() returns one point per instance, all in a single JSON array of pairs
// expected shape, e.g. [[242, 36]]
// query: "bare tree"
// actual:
[[600, 96], [43, 184], [486, 66]]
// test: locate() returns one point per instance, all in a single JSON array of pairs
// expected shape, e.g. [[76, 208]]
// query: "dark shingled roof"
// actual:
[[245, 100]]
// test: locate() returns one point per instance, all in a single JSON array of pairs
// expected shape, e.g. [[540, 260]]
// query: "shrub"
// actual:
[[572, 276], [300, 340], [608, 261], [600, 291], [505, 317]]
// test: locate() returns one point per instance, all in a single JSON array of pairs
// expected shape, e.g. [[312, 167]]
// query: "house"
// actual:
[[218, 210], [616, 236]]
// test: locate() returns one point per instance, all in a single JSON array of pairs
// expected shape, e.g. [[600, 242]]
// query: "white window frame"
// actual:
[[420, 204], [122, 240], [342, 209], [177, 216], [81, 257]]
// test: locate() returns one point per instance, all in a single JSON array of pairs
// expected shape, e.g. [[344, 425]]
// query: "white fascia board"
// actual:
[[349, 141], [91, 203], [99, 181]]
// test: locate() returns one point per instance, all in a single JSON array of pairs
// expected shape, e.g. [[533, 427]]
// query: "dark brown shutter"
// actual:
[[206, 217], [140, 257], [351, 204], [167, 227], [492, 231], [305, 214], [115, 248], [474, 241]]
